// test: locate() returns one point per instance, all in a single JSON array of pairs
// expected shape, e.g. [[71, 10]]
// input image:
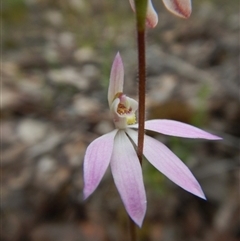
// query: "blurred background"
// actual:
[[56, 60]]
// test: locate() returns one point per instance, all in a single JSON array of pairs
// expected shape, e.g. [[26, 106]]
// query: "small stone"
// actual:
[[90, 71], [54, 17], [9, 69], [49, 143], [67, 40], [50, 177], [31, 131], [84, 54], [161, 88], [80, 5], [85, 106], [9, 98], [70, 76], [75, 152], [31, 85], [104, 127], [51, 54], [46, 165]]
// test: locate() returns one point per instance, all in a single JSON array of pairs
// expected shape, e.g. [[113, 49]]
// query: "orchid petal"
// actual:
[[151, 15], [116, 78], [181, 8], [127, 174], [176, 128], [96, 161], [168, 163]]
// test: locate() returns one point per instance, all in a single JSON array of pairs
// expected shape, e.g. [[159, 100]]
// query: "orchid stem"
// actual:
[[132, 229], [141, 90], [141, 112], [141, 9]]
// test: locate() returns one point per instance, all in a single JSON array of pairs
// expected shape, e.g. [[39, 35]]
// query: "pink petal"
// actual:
[[127, 174], [116, 78], [169, 164], [176, 128], [151, 17], [181, 8], [96, 161]]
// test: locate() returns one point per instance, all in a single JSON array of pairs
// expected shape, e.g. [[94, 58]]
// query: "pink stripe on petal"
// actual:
[[127, 174], [96, 161], [169, 164], [116, 78], [181, 8], [176, 128]]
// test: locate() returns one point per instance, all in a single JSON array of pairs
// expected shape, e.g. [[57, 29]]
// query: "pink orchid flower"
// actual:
[[181, 8], [117, 150]]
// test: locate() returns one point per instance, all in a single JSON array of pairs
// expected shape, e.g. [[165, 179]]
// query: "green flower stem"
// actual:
[[141, 10]]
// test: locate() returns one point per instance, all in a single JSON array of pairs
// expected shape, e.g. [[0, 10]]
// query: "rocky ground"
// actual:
[[56, 61]]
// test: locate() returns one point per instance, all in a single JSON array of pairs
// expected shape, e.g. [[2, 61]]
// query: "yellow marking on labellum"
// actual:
[[131, 120], [123, 110]]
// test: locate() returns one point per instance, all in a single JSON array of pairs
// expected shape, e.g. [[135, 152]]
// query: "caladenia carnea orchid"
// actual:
[[118, 149], [180, 8]]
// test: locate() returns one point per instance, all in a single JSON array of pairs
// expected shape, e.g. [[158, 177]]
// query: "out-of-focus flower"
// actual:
[[181, 8], [118, 149]]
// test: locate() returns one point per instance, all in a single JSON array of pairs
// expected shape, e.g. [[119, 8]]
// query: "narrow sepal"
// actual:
[[176, 128], [169, 164], [116, 78], [96, 161], [127, 174]]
